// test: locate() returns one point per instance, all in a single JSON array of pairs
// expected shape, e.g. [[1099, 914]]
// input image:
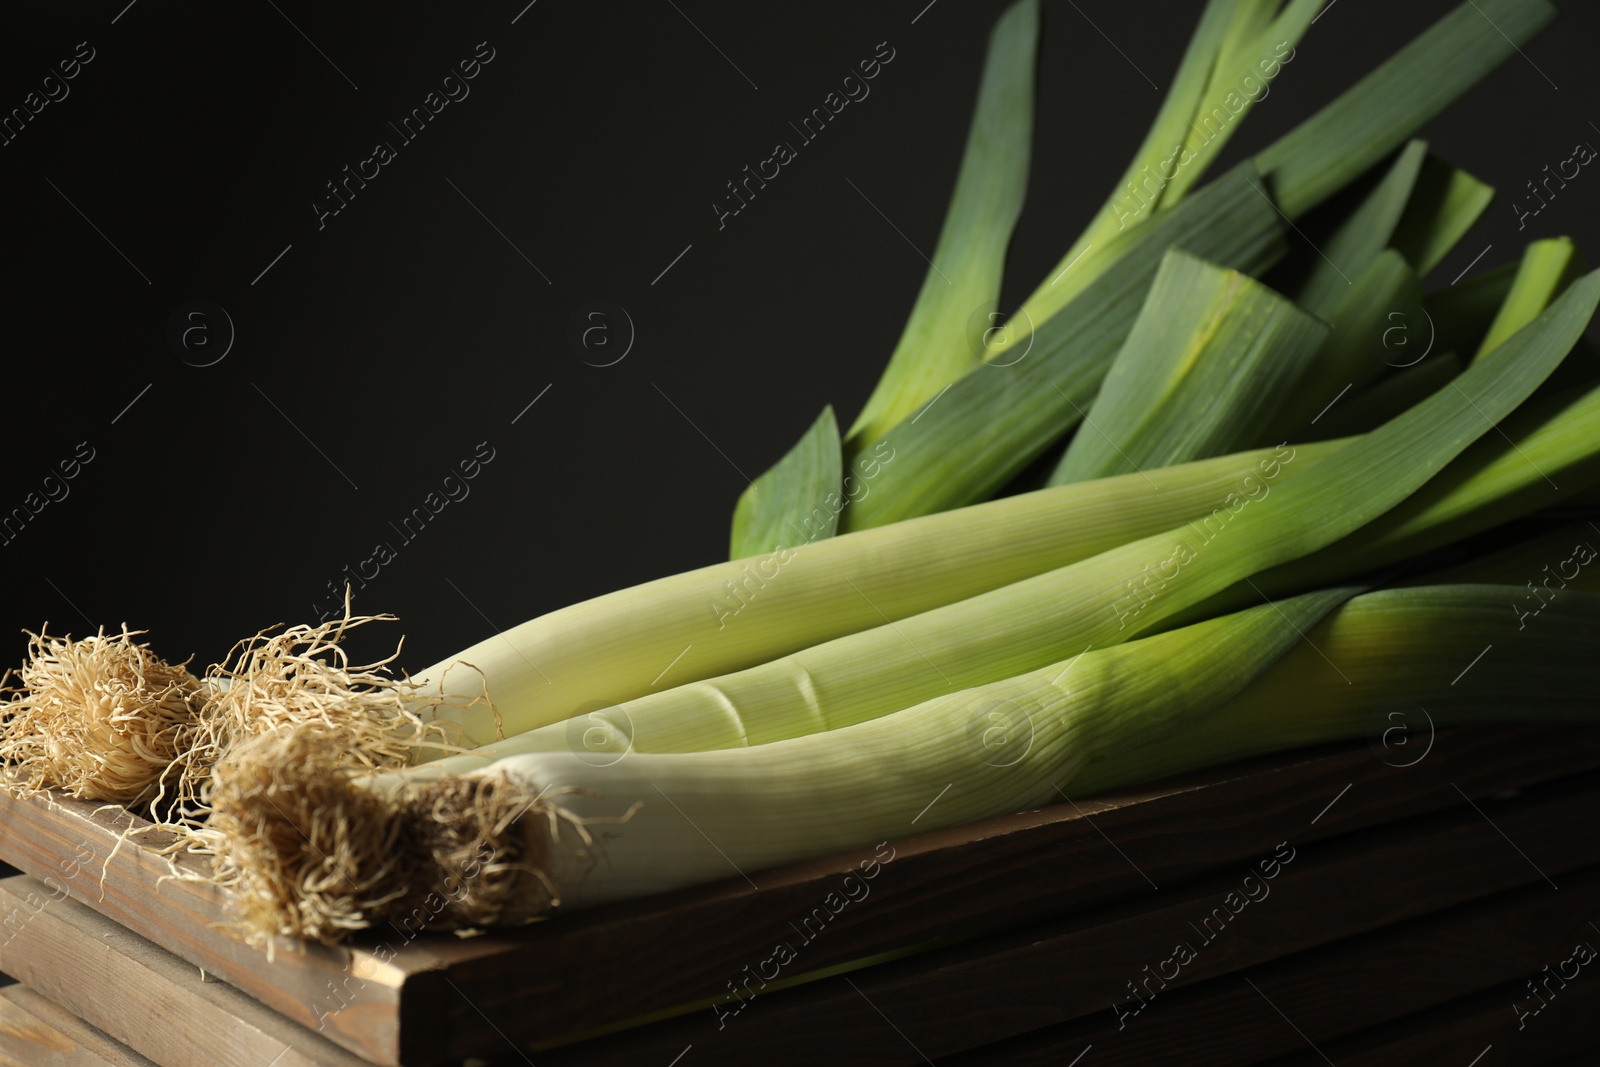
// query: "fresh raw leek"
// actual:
[[1102, 600], [1218, 690], [730, 616], [961, 756], [537, 815], [891, 649]]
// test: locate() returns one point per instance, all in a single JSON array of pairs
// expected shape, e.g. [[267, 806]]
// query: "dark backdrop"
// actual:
[[376, 349]]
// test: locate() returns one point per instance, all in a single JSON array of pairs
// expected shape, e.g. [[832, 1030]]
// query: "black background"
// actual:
[[381, 349]]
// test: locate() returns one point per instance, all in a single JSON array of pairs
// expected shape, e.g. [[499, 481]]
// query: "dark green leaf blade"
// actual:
[[967, 443], [1443, 207], [1377, 114], [1210, 353], [794, 501], [944, 335]]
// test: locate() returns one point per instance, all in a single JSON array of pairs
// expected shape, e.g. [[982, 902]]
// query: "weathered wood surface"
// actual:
[[995, 987], [141, 996], [1563, 1034], [67, 843], [34, 1032], [441, 999], [1311, 998]]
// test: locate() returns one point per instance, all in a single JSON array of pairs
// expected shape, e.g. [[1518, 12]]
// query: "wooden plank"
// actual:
[[1563, 1034], [140, 995], [66, 844], [1306, 1000], [952, 883], [37, 1033], [991, 988], [442, 999]]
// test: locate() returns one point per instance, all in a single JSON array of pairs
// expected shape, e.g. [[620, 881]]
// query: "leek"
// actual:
[[734, 615], [1209, 693], [1098, 601]]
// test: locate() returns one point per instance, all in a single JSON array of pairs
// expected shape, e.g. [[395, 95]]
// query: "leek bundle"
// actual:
[[905, 639], [1120, 716], [1207, 693], [281, 789], [105, 718], [689, 627]]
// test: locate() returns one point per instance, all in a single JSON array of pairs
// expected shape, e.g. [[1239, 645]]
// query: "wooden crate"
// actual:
[[1410, 891]]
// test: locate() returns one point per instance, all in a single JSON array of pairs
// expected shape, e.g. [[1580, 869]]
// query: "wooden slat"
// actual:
[[1306, 1000], [442, 999], [986, 990], [66, 843], [37, 1033], [1562, 1035], [142, 996]]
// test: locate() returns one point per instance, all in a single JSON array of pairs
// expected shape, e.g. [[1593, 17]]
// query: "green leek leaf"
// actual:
[[1541, 455], [1444, 205], [967, 443], [1371, 332], [1361, 236], [1210, 353], [1373, 117], [793, 502], [955, 309], [1237, 49], [1379, 403], [1547, 266]]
